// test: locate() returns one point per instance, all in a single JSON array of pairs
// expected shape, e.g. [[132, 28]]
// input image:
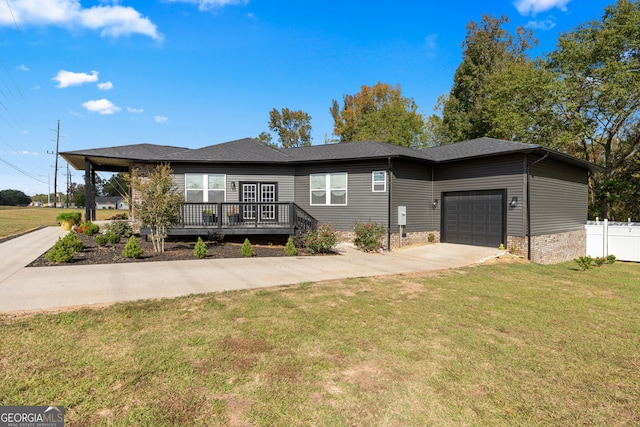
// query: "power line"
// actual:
[[22, 171]]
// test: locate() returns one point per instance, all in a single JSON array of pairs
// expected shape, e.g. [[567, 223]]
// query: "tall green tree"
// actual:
[[117, 185], [487, 50], [380, 113], [14, 198], [599, 66], [156, 201], [292, 127]]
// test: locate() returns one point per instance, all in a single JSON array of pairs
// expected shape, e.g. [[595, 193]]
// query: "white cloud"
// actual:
[[105, 86], [532, 7], [22, 68], [135, 110], [101, 106], [211, 4], [111, 20], [545, 25], [160, 119], [69, 78], [430, 42]]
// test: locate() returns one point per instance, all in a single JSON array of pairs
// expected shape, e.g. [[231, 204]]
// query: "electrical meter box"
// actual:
[[402, 215]]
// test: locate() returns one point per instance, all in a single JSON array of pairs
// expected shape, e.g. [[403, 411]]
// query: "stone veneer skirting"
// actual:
[[410, 238], [545, 249], [559, 247]]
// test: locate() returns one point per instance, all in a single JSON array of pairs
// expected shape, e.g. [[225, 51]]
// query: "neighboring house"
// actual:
[[112, 202], [482, 192]]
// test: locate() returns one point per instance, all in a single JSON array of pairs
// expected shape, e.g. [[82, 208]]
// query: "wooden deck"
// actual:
[[201, 219]]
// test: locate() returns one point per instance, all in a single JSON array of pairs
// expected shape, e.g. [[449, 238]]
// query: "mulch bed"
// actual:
[[174, 251]]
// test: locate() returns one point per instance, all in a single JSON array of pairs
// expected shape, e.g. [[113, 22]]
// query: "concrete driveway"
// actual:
[[42, 288]]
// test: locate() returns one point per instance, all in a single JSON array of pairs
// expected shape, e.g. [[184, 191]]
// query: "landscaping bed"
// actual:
[[174, 250]]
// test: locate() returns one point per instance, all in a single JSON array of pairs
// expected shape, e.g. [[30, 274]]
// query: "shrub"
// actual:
[[132, 249], [112, 237], [200, 249], [62, 251], [101, 240], [611, 259], [290, 248], [431, 237], [73, 241], [65, 248], [121, 228], [88, 228], [247, 249], [599, 261], [584, 262], [368, 236], [321, 240]]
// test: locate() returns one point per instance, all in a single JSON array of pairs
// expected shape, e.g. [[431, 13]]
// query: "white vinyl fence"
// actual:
[[621, 239]]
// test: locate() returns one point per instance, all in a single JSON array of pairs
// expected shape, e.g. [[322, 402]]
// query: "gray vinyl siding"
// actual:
[[362, 203], [412, 188], [559, 197], [494, 173], [283, 175]]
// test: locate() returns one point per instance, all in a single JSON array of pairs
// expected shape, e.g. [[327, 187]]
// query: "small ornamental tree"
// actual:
[[290, 248], [156, 202], [200, 249], [132, 249], [247, 249]]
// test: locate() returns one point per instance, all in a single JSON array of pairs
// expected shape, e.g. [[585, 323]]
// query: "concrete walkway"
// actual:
[[41, 288]]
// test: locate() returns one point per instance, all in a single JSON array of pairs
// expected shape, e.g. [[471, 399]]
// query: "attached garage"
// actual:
[[474, 217]]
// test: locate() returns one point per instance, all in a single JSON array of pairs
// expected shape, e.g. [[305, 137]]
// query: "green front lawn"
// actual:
[[496, 345], [14, 220]]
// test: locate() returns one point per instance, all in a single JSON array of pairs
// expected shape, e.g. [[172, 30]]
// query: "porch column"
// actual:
[[93, 195], [88, 189]]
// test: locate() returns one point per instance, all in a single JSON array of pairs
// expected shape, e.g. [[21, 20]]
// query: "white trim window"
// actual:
[[379, 181], [205, 188], [328, 189]]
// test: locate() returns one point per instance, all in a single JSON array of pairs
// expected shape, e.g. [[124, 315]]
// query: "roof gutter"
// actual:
[[546, 154]]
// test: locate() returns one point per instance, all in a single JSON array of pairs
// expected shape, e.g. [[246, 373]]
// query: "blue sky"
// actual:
[[193, 73]]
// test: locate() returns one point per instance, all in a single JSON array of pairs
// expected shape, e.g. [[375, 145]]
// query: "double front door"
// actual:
[[262, 193]]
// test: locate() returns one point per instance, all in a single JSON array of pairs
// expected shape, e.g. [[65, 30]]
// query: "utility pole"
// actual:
[[55, 176]]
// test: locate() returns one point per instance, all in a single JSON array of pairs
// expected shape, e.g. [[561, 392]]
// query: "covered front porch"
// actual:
[[241, 218]]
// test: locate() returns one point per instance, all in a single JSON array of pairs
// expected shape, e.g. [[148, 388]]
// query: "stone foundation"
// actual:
[[517, 245], [560, 247], [412, 238]]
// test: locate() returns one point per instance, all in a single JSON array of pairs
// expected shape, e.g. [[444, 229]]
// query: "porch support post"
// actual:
[[88, 189], [93, 195]]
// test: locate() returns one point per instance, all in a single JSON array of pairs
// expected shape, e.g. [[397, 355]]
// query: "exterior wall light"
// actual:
[[233, 186], [514, 202], [435, 203]]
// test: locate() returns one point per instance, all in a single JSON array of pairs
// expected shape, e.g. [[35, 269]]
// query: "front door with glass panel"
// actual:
[[259, 192]]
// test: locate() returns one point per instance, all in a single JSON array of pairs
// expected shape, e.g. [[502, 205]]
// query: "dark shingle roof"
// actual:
[[250, 150], [241, 150], [352, 151], [478, 147], [111, 158]]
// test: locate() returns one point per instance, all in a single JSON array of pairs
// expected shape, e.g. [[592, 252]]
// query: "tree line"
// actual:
[[582, 98]]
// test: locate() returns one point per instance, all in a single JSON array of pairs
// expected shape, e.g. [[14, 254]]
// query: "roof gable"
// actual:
[[241, 150]]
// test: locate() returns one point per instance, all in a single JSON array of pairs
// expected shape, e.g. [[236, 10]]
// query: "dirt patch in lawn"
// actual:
[[174, 251]]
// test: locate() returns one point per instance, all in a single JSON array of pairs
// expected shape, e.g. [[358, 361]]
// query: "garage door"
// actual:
[[474, 217]]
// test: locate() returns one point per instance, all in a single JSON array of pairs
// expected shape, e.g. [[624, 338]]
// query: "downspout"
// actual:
[[433, 196], [389, 174], [529, 203]]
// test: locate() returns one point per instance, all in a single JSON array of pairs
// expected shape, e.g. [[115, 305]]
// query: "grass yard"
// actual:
[[14, 220], [495, 345]]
